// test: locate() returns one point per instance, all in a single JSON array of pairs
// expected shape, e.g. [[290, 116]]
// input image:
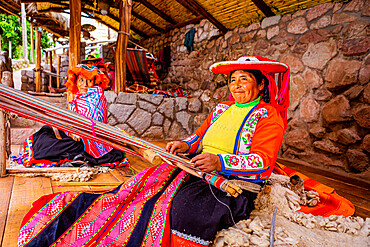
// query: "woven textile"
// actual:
[[134, 214], [137, 67], [92, 105], [330, 202]]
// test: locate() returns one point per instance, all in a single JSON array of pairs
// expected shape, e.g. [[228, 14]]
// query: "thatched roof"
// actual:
[[52, 22], [153, 17]]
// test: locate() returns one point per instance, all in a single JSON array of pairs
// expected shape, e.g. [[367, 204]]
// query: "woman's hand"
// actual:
[[207, 162], [177, 147]]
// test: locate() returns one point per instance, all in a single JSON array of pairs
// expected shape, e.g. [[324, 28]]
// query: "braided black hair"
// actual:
[[260, 78]]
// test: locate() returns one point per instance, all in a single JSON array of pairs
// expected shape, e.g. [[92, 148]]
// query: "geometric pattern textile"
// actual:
[[136, 213]]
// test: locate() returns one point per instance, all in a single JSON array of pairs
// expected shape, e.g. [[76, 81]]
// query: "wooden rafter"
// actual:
[[196, 19], [141, 33], [40, 1], [266, 10], [142, 18], [158, 11], [192, 6]]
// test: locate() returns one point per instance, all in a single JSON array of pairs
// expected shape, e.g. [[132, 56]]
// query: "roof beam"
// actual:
[[196, 19], [141, 33], [142, 18], [40, 1], [157, 11], [193, 5], [266, 10]]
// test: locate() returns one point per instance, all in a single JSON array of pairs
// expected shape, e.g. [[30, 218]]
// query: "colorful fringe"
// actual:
[[134, 214]]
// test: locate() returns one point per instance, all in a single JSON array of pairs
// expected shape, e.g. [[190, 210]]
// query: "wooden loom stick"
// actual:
[[41, 170], [89, 183], [147, 154]]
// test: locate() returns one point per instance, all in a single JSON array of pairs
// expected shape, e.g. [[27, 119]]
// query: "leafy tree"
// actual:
[[12, 30]]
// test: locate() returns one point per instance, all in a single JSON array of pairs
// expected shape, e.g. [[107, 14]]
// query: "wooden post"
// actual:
[[58, 70], [10, 49], [38, 61], [51, 66], [2, 141], [122, 40], [24, 30], [32, 46], [2, 144], [74, 33], [74, 36]]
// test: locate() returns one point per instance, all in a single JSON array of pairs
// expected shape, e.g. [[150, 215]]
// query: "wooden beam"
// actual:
[[41, 170], [141, 33], [51, 66], [193, 5], [266, 10], [145, 20], [24, 31], [185, 4], [38, 61], [74, 33], [32, 44], [121, 48], [58, 70], [2, 142], [40, 1], [158, 11], [89, 183], [196, 19]]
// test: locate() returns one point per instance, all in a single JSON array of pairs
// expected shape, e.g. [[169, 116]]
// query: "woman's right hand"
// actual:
[[177, 147]]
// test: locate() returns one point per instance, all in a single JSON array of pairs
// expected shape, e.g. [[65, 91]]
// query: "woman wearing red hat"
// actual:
[[240, 139], [51, 147], [165, 206]]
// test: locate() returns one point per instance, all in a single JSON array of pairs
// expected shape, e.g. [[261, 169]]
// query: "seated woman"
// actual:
[[240, 139], [51, 147], [165, 206]]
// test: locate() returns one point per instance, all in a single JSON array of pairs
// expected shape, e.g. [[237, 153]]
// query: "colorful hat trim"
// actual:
[[89, 72]]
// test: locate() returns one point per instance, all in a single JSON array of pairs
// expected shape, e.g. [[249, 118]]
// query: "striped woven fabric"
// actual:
[[134, 214], [330, 202], [137, 67], [92, 105]]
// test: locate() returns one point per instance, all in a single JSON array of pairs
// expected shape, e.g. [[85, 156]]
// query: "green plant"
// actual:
[[12, 31]]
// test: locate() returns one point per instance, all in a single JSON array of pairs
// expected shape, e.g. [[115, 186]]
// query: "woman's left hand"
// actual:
[[207, 162]]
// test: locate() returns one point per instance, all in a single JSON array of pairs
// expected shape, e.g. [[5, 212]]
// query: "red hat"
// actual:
[[249, 62]]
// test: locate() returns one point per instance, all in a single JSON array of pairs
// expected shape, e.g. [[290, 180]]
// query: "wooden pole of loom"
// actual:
[[122, 40], [58, 70], [32, 45], [74, 36], [2, 141], [51, 66], [38, 61]]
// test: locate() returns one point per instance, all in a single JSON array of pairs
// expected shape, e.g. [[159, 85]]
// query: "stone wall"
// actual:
[[154, 117], [327, 49]]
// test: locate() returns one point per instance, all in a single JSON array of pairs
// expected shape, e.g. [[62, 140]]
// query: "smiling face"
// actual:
[[84, 84], [243, 86]]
